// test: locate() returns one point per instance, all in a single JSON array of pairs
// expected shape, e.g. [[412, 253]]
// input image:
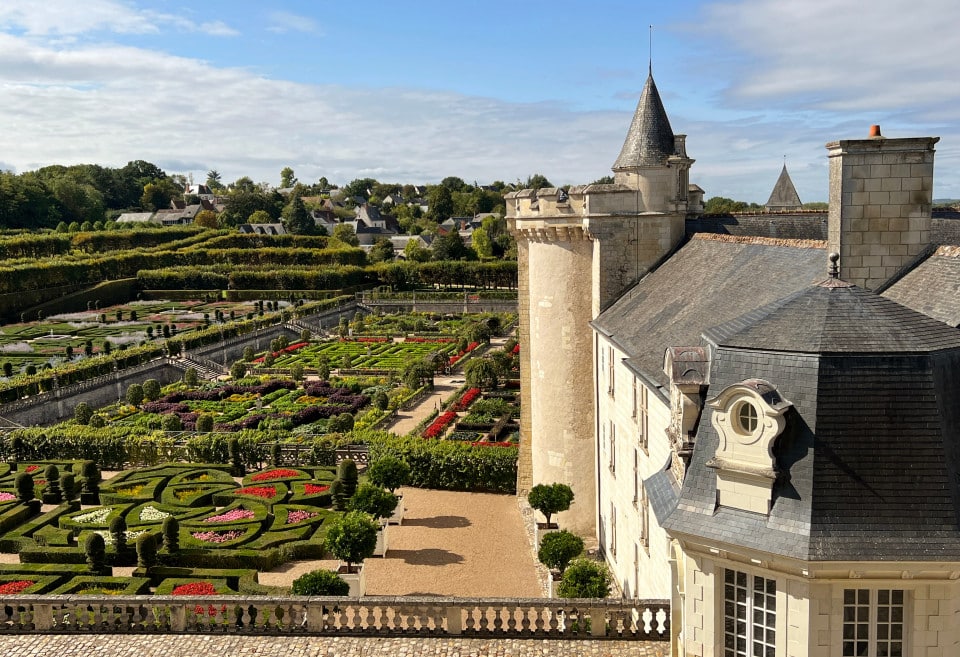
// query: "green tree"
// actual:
[[414, 251], [373, 499], [296, 217], [353, 538], [151, 389], [344, 233], [549, 499], [157, 195], [537, 181], [440, 202], [389, 472], [382, 251], [206, 219], [287, 179], [585, 579], [205, 423], [214, 180], [557, 549], [135, 394], [82, 413], [190, 377], [239, 370], [482, 243], [451, 247], [260, 217], [481, 373]]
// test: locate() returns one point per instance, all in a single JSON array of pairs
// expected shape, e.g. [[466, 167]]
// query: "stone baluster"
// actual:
[[598, 622], [454, 620]]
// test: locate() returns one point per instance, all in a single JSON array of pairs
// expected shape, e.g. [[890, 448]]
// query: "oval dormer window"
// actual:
[[746, 418]]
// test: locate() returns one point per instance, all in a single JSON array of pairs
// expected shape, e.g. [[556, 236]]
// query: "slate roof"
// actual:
[[784, 195], [705, 282], [870, 457], [649, 140], [933, 287], [828, 319]]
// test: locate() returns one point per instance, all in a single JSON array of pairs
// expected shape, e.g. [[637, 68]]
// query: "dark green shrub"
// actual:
[[95, 550], [237, 468], [24, 485], [353, 538], [340, 501], [97, 421], [151, 389], [89, 483], [557, 549], [171, 422], [585, 579], [16, 448], [320, 582], [275, 453], [68, 486], [380, 400], [52, 494], [147, 550], [190, 376], [171, 534], [135, 394], [550, 498], [376, 501], [204, 423], [238, 370], [347, 474], [82, 413], [389, 472], [118, 531]]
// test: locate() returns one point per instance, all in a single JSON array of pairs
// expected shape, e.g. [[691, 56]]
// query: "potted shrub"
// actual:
[[320, 582], [585, 579], [556, 551], [379, 503], [391, 473], [351, 540], [549, 499]]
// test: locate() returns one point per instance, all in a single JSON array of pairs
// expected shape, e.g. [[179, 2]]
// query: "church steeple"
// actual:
[[650, 140]]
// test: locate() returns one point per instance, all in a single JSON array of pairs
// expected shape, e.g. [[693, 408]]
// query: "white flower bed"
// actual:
[[96, 516], [152, 514]]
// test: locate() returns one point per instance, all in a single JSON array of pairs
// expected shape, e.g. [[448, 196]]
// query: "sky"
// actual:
[[416, 91]]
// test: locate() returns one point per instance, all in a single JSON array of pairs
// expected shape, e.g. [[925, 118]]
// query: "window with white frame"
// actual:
[[612, 436], [641, 416], [613, 530], [873, 623], [749, 615], [636, 477], [611, 374]]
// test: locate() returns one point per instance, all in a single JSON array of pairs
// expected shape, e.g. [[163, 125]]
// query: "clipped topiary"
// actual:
[[82, 413], [347, 473], [118, 531], [52, 494], [275, 454], [171, 534], [89, 483], [549, 499], [372, 499], [204, 423], [147, 550], [95, 549], [237, 468], [585, 579], [16, 448], [389, 472], [24, 485], [352, 539], [68, 486], [557, 549], [340, 501], [320, 582]]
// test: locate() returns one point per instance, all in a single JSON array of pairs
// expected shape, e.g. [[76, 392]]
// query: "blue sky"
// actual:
[[415, 91]]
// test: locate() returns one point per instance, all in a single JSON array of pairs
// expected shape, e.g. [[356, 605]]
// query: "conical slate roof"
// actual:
[[836, 317], [649, 141], [784, 195]]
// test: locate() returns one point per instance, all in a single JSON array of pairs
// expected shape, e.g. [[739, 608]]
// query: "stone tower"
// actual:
[[578, 251], [881, 192]]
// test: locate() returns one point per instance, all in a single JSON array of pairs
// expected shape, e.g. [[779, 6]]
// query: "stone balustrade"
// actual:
[[643, 620]]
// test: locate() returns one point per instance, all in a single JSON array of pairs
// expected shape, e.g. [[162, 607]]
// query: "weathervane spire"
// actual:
[[650, 53]]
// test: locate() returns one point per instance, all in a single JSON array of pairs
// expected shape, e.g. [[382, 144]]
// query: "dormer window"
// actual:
[[748, 417]]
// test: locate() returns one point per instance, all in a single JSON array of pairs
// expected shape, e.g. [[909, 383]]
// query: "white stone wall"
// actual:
[[640, 567]]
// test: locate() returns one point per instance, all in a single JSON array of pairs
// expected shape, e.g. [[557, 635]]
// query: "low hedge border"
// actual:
[[204, 495], [23, 536], [232, 576], [41, 583], [116, 585]]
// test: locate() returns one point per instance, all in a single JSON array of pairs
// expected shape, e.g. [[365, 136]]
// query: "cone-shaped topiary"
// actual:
[[237, 468], [147, 550], [52, 493], [340, 501], [171, 534], [68, 486], [275, 454], [320, 582], [16, 448], [96, 550], [24, 485]]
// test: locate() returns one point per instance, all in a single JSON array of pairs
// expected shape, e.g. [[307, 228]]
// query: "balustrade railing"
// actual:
[[643, 620]]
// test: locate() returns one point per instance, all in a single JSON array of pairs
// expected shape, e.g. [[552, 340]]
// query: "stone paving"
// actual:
[[93, 645]]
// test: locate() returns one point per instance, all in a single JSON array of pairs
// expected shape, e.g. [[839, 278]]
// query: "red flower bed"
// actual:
[[470, 347], [437, 427], [437, 340], [265, 492], [516, 349], [281, 473], [286, 350], [19, 586], [366, 339], [486, 444], [194, 588], [312, 489], [31, 468], [468, 398]]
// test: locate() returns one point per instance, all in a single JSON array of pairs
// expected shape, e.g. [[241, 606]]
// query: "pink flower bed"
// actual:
[[438, 426], [194, 588], [7, 497], [313, 489], [280, 473], [218, 537], [19, 586], [231, 516], [265, 492], [299, 516]]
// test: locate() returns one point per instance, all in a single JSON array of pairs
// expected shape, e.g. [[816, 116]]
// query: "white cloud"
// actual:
[[285, 21]]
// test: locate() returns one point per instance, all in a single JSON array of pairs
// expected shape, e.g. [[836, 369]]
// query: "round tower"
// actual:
[[578, 251]]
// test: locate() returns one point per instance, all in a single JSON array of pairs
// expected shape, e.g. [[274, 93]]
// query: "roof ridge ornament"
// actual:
[[833, 270]]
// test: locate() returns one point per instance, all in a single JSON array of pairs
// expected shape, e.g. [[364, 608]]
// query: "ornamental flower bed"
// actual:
[[438, 426], [97, 516], [219, 537], [194, 588], [30, 469], [19, 586], [152, 514], [467, 398], [430, 340], [265, 492], [493, 444], [280, 473], [470, 347], [286, 350], [296, 516], [313, 489], [234, 515], [7, 497]]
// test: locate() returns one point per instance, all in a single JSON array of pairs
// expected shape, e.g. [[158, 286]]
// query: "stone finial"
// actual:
[[833, 270]]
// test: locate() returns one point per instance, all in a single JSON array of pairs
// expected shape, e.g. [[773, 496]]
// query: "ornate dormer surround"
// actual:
[[748, 417]]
